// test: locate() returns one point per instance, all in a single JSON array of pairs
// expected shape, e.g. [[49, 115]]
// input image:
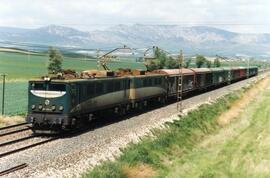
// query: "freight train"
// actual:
[[63, 104]]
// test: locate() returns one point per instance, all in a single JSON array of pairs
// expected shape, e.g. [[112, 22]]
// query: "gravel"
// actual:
[[70, 157], [13, 136]]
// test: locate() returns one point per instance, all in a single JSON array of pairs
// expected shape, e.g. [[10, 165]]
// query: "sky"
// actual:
[[245, 16]]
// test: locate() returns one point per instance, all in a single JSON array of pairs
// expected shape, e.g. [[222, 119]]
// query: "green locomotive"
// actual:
[[64, 104]]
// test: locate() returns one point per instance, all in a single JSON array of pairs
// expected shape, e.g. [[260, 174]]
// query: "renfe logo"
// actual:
[[47, 102]]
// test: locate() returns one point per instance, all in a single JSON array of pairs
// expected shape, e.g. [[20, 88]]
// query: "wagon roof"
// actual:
[[201, 70], [216, 69], [236, 68], [174, 71], [226, 68]]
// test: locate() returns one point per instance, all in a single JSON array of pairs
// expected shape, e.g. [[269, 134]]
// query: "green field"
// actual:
[[21, 66], [15, 97]]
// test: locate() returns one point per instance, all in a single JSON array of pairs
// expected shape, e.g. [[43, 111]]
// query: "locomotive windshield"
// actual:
[[48, 86]]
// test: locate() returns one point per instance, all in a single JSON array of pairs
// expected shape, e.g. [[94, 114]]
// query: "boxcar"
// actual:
[[173, 77], [220, 76], [243, 72], [235, 74], [252, 71], [203, 78]]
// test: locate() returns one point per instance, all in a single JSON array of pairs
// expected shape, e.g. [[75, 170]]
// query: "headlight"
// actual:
[[61, 108], [40, 107], [33, 107], [53, 107]]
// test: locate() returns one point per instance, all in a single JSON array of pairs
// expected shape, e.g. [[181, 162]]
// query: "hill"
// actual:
[[197, 39]]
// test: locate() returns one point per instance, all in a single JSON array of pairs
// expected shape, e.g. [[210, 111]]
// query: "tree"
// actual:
[[151, 66], [208, 63], [161, 61], [55, 61], [200, 60], [171, 63], [217, 63], [187, 63]]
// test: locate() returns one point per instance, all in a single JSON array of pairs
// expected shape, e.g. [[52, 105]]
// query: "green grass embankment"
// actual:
[[240, 149], [155, 156]]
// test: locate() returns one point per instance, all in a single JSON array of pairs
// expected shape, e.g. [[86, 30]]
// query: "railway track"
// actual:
[[12, 129], [17, 140], [12, 126], [13, 169], [16, 150]]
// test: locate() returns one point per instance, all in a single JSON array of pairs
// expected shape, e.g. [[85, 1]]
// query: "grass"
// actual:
[[15, 98], [21, 66], [156, 153], [239, 150]]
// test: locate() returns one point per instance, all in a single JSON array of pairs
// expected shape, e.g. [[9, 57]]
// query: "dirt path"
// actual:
[[240, 149]]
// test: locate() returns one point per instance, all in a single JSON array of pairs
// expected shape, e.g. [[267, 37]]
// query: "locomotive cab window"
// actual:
[[48, 87], [38, 86], [56, 87]]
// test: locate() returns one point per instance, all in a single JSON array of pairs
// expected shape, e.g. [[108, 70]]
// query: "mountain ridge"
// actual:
[[196, 39]]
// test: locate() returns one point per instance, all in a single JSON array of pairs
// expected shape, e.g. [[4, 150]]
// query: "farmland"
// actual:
[[15, 97], [24, 67]]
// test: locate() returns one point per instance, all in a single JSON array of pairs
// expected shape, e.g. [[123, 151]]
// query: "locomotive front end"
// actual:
[[48, 106]]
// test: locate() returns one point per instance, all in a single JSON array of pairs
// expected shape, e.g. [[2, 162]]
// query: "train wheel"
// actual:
[[123, 111], [145, 103], [128, 107], [140, 107]]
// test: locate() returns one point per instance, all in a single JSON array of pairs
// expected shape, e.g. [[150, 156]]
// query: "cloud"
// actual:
[[237, 15]]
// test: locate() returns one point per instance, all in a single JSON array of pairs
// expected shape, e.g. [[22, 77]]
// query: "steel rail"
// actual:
[[18, 140], [11, 126], [27, 147], [13, 169], [14, 131]]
